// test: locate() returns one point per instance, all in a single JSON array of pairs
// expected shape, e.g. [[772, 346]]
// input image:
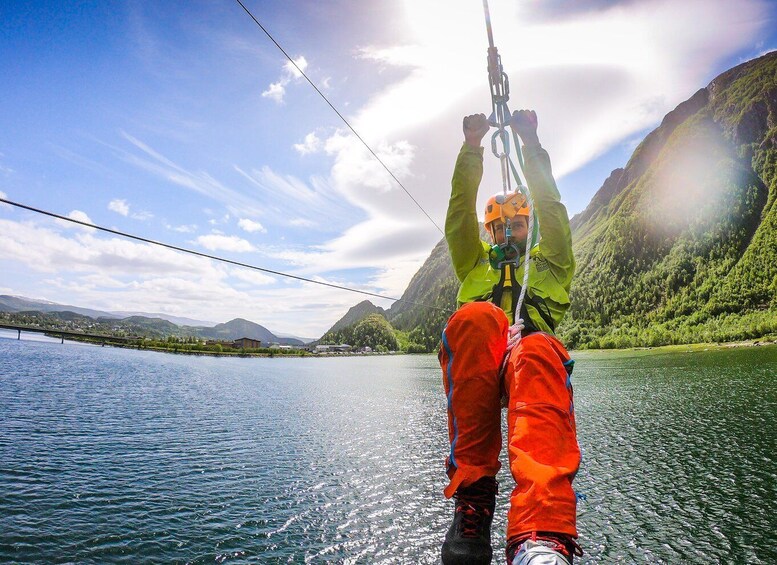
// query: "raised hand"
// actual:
[[524, 123], [475, 127]]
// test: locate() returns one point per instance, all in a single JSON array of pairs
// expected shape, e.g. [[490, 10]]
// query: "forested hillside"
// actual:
[[681, 245]]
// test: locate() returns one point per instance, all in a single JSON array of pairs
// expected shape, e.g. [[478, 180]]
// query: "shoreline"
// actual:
[[686, 347], [690, 347]]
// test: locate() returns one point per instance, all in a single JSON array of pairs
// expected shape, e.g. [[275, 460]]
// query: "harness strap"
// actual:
[[507, 279]]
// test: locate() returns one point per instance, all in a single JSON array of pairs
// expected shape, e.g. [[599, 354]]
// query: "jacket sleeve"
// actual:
[[556, 236], [461, 223]]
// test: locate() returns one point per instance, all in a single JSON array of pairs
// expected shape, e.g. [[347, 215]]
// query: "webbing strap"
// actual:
[[507, 280]]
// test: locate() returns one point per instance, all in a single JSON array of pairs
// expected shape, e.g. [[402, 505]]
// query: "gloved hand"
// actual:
[[514, 334]]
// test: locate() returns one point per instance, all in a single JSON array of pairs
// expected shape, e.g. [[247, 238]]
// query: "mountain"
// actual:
[[143, 325], [237, 328], [177, 320], [680, 245], [343, 330], [22, 304], [72, 321], [356, 314]]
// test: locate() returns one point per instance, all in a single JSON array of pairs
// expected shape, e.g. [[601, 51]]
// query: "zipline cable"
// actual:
[[208, 256], [336, 111]]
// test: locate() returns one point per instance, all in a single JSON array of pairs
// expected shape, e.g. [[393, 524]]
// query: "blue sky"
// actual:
[[182, 122]]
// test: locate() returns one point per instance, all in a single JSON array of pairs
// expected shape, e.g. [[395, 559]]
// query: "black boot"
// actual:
[[468, 541]]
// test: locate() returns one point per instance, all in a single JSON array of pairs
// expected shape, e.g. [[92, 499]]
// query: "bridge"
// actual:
[[65, 333]]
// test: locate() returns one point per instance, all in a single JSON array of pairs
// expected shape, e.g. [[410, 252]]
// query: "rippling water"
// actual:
[[110, 456]]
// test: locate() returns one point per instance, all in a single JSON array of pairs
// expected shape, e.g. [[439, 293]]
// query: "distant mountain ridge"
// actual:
[[178, 320], [157, 324], [237, 328], [20, 304]]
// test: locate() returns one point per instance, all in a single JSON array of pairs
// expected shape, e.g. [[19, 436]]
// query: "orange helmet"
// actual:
[[505, 207]]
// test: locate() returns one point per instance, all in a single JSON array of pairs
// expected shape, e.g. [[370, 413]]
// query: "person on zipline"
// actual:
[[485, 359]]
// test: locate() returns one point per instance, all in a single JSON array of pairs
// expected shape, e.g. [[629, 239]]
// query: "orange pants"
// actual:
[[543, 452]]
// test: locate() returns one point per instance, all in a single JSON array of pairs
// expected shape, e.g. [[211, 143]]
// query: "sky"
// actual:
[[182, 122]]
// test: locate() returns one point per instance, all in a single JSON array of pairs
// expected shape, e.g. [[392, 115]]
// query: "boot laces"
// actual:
[[472, 519], [474, 505]]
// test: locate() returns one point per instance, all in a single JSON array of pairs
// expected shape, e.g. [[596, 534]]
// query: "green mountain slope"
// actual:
[[343, 331], [681, 245], [356, 314]]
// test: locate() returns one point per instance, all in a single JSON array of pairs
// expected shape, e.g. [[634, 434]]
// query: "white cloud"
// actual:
[[293, 69], [142, 216], [119, 206], [78, 216], [3, 204], [323, 206], [277, 90], [83, 251], [254, 278], [381, 244], [311, 144], [301, 223], [201, 182], [217, 242], [187, 228], [250, 226], [594, 79], [101, 281]]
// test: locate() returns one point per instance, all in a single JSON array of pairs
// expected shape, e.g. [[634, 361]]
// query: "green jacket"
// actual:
[[552, 264]]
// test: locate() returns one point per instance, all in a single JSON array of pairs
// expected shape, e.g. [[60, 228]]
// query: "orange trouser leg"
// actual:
[[473, 346], [543, 450]]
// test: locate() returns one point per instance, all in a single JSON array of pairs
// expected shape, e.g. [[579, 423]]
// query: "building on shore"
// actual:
[[247, 343]]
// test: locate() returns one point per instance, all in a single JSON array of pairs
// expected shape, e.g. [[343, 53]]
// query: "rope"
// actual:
[[213, 257], [336, 111], [499, 86]]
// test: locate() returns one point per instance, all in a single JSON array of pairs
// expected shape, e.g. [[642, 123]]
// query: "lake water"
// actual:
[[123, 456]]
